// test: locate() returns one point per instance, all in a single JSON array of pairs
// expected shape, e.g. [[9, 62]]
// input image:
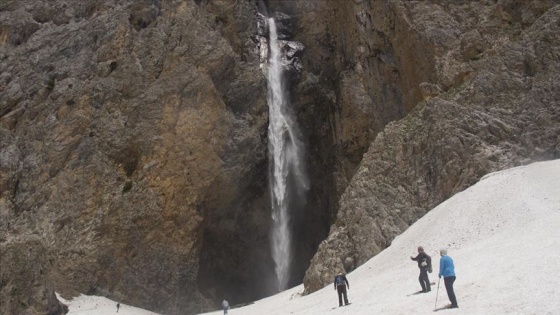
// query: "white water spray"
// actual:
[[286, 162]]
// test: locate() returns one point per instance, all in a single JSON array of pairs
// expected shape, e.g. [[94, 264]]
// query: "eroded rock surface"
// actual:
[[132, 133], [491, 101], [133, 136]]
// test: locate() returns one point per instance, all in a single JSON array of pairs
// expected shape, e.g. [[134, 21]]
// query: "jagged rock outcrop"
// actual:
[[492, 102], [133, 147]]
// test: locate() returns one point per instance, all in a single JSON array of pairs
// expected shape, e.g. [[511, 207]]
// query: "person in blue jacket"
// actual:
[[447, 271]]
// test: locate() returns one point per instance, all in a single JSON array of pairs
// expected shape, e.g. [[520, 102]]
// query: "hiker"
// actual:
[[447, 271], [118, 306], [425, 264], [225, 306], [340, 283]]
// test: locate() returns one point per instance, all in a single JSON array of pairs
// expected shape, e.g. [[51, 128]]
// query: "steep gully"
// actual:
[[239, 265]]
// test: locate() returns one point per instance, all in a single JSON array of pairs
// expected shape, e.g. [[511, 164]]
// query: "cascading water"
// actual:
[[286, 175]]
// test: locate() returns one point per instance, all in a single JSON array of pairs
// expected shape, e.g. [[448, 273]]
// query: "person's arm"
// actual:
[[347, 283], [335, 283], [414, 258], [441, 266]]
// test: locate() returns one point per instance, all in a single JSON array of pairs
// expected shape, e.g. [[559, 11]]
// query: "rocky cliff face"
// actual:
[[480, 82], [133, 150], [133, 136]]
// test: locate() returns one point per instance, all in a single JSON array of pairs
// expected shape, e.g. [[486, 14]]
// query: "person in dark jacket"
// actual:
[[447, 271], [340, 283], [425, 264]]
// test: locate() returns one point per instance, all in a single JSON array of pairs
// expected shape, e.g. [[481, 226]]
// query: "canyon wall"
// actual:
[[477, 82], [133, 153]]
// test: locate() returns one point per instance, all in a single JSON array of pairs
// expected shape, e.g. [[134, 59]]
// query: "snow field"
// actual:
[[504, 237]]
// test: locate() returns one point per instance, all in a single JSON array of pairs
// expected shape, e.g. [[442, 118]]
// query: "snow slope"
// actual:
[[503, 234]]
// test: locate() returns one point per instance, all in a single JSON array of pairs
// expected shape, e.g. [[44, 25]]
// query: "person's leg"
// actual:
[[345, 295], [425, 280], [339, 291], [452, 297], [449, 288], [421, 280], [446, 281]]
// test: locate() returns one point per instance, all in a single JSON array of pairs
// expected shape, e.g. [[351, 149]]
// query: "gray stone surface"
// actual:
[[132, 131], [498, 110], [133, 136]]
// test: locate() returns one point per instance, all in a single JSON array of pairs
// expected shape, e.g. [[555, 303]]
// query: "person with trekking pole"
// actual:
[[447, 271]]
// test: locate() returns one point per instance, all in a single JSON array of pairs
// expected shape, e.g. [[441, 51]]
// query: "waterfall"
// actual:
[[286, 173]]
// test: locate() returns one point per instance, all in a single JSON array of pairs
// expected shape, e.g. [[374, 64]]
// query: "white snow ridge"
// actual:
[[503, 234]]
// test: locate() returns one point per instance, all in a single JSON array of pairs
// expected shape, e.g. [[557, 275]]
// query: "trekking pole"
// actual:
[[437, 292]]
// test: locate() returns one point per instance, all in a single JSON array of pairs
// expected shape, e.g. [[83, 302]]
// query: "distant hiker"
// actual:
[[340, 283], [425, 265], [225, 306], [447, 271], [118, 306]]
